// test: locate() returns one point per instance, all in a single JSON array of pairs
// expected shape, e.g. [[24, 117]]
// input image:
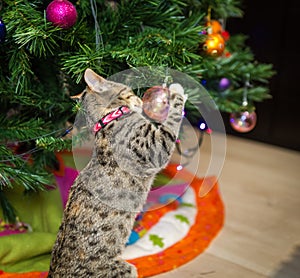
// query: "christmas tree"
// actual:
[[46, 46]]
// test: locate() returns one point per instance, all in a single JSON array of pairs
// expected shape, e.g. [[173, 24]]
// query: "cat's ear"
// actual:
[[93, 80]]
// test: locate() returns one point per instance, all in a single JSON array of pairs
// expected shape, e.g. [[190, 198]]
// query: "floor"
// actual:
[[260, 187]]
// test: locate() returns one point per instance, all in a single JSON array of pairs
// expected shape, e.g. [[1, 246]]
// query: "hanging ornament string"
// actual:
[[209, 14], [245, 92], [98, 36]]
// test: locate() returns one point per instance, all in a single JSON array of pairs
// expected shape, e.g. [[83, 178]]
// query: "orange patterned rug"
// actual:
[[208, 222]]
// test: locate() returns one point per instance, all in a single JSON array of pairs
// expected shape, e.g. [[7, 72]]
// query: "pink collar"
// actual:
[[115, 114]]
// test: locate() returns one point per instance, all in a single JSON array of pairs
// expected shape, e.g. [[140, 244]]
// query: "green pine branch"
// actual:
[[16, 169], [15, 129], [54, 144]]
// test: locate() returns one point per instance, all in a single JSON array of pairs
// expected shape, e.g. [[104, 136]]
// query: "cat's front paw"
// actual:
[[176, 88]]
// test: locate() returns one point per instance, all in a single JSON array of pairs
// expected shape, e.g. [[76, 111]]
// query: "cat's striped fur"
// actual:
[[109, 192]]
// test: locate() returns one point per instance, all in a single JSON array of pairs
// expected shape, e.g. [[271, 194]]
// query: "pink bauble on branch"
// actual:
[[61, 13]]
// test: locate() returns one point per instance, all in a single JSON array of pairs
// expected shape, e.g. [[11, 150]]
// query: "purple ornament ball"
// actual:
[[61, 13], [224, 84], [243, 121]]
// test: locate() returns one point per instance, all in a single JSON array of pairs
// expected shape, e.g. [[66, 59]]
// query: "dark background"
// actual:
[[273, 31]]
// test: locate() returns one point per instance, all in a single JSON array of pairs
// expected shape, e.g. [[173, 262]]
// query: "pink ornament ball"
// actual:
[[243, 121], [156, 103], [61, 13]]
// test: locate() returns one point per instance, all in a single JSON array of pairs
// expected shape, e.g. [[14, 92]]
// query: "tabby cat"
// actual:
[[108, 193]]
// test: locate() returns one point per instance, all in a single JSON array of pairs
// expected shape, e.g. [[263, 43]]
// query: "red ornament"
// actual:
[[156, 103], [61, 13], [225, 35], [227, 54]]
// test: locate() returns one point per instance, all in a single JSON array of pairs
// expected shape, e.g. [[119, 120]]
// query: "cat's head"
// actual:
[[101, 96]]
